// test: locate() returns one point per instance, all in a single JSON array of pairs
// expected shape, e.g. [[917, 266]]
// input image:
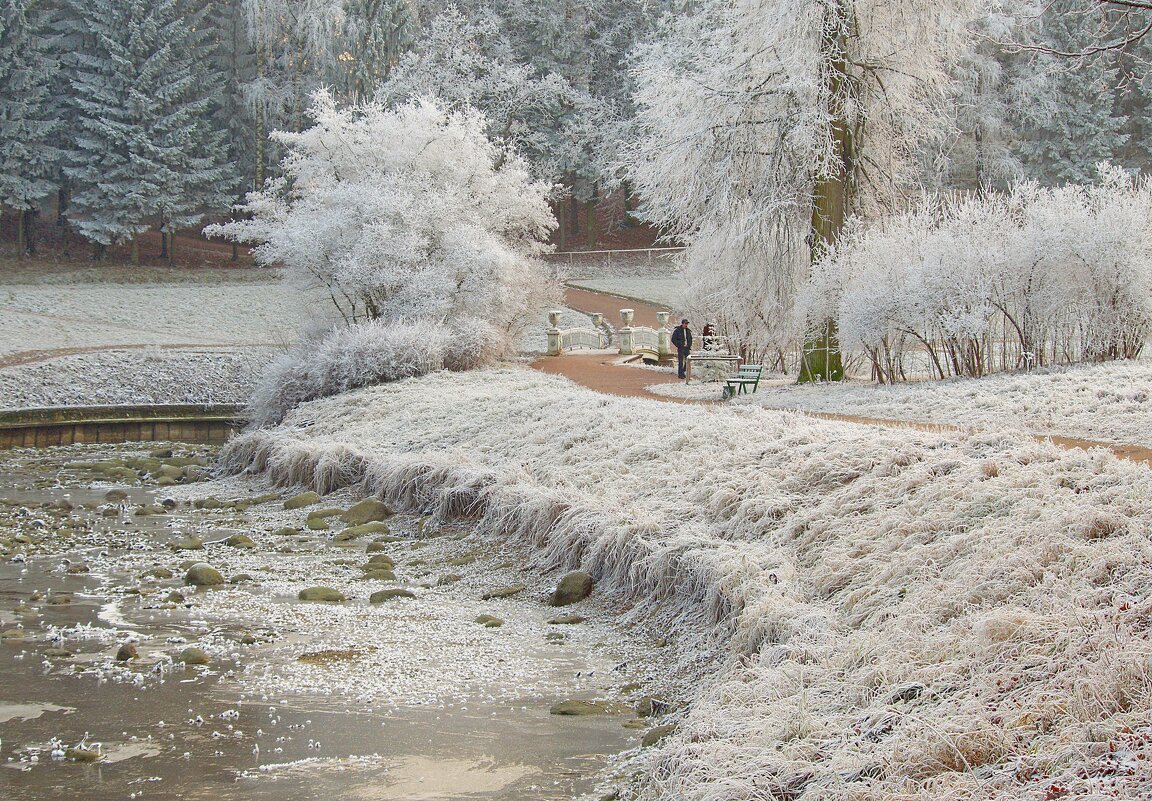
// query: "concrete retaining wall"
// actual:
[[40, 428]]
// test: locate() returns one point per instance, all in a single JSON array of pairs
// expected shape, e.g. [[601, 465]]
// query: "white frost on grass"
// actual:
[[907, 614], [145, 376], [1109, 402]]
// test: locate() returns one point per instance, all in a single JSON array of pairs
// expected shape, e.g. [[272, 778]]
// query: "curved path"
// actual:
[[603, 372]]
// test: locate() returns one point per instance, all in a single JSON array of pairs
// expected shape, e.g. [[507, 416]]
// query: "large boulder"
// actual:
[[302, 500], [388, 595], [203, 574], [368, 510], [575, 586], [321, 594]]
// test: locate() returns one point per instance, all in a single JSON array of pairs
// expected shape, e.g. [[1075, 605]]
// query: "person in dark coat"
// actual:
[[682, 340]]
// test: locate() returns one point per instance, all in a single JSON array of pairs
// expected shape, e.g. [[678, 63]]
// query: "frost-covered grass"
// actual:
[[44, 316], [906, 614], [371, 353], [143, 376], [1106, 402], [659, 291]]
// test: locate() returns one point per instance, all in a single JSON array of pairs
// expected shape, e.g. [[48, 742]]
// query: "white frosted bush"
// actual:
[[366, 354], [1034, 277]]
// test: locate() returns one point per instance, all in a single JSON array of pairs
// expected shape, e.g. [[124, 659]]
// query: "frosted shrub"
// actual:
[[371, 353], [1034, 277], [405, 214]]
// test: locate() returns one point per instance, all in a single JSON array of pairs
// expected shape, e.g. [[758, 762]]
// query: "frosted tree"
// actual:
[[469, 63], [975, 151], [29, 157], [587, 45], [145, 153], [764, 124], [300, 46], [1067, 107], [404, 214]]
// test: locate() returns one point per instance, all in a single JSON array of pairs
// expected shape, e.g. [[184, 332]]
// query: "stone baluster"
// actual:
[[555, 344], [626, 345], [664, 340]]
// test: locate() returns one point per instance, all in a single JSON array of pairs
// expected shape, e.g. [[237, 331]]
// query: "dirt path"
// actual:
[[589, 302]]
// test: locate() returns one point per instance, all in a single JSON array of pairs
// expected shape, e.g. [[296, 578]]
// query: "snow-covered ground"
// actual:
[[901, 613], [140, 376], [1105, 402], [91, 314]]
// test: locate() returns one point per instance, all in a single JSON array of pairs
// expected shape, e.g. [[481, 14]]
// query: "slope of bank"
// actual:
[[904, 614]]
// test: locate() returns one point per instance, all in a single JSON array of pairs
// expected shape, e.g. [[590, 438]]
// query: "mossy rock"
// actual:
[[366, 530], [567, 620], [573, 587], [583, 708], [382, 596], [380, 573], [115, 495], [194, 656], [382, 559], [203, 574], [656, 734], [489, 621], [325, 594], [302, 500], [209, 503], [503, 592], [187, 544], [368, 510], [286, 531], [317, 524], [240, 541], [82, 755]]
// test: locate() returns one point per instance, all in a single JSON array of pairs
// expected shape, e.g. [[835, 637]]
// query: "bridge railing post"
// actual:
[[626, 345], [664, 339], [555, 344]]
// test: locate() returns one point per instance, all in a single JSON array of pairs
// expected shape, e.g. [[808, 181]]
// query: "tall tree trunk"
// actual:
[[20, 229], [172, 247], [832, 194], [235, 252], [561, 227], [28, 222], [135, 250], [163, 243], [591, 223]]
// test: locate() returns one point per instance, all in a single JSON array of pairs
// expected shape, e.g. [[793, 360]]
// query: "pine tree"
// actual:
[[1066, 109], [145, 152], [28, 155]]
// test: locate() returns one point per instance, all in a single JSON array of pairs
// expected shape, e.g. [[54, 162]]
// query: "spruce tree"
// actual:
[[146, 152], [1066, 109], [28, 155]]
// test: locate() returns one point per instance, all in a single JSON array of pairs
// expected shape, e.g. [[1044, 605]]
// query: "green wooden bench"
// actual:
[[746, 380]]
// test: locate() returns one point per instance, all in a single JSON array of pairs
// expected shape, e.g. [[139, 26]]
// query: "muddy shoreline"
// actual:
[[244, 691]]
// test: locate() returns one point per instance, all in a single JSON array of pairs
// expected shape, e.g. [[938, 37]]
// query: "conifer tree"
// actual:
[[28, 126], [145, 151]]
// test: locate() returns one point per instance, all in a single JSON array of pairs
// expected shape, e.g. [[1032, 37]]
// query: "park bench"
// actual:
[[746, 380]]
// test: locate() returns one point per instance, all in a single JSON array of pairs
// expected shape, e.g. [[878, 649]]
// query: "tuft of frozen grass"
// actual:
[[371, 353], [894, 614]]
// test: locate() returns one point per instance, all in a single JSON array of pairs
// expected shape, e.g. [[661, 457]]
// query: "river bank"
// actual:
[[242, 690]]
